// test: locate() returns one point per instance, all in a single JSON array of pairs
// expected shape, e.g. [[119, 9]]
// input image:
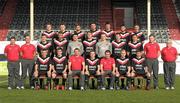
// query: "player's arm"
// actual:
[[101, 68], [36, 68], [114, 68], [86, 70], [50, 68], [69, 67], [83, 67]]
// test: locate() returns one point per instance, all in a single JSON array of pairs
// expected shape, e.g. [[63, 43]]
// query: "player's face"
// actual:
[[89, 35], [43, 38], [107, 55], [123, 28], [76, 52], [118, 37], [27, 39], [123, 53], [12, 41], [59, 52], [169, 44], [78, 28], [92, 54], [151, 39], [93, 26], [136, 27], [75, 38], [44, 54], [108, 26], [134, 38], [48, 27], [138, 54], [62, 27], [103, 37]]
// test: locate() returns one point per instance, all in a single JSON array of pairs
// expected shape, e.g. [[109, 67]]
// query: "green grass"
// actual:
[[91, 96]]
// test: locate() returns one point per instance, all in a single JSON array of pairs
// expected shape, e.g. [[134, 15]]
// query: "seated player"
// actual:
[[59, 67], [92, 69], [107, 66], [139, 68], [43, 67], [123, 70]]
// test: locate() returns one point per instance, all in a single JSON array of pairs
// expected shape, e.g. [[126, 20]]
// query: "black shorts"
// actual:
[[140, 72], [59, 71], [92, 73], [42, 73], [122, 72]]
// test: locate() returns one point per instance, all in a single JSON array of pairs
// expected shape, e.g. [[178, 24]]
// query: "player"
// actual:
[[124, 34], [138, 33], [77, 31], [66, 34], [49, 33], [95, 32], [109, 32]]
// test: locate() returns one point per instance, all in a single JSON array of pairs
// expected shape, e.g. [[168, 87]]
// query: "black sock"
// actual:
[[139, 81], [122, 82]]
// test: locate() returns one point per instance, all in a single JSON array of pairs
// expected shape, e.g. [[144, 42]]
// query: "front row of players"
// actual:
[[91, 68]]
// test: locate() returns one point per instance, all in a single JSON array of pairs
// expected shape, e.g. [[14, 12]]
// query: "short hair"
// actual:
[[62, 23], [92, 23], [13, 37], [73, 35], [92, 51], [44, 50], [138, 51], [77, 24], [77, 49], [152, 35], [107, 23], [169, 41], [107, 51], [43, 35], [58, 48]]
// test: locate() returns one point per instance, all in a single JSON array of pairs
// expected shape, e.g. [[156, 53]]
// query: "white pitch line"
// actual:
[[3, 81]]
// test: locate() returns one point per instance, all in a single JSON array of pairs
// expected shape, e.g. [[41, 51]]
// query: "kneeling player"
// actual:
[[92, 69], [123, 70], [59, 67], [43, 68], [139, 68]]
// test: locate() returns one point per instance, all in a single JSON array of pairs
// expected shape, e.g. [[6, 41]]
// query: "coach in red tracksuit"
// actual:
[[169, 56], [152, 52], [28, 52], [12, 52]]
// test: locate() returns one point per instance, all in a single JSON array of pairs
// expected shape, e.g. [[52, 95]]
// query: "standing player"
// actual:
[[50, 35], [138, 33], [123, 70], [152, 52], [89, 45], [92, 69], [44, 44], [109, 33], [133, 46], [43, 66], [139, 68], [78, 32], [76, 66], [124, 34], [66, 34], [117, 45], [12, 52], [169, 55], [59, 66], [102, 46], [108, 67], [74, 44], [94, 31], [60, 42], [28, 53]]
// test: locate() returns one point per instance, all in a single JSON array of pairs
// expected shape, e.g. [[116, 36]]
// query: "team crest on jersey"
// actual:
[[60, 43], [89, 43], [59, 60], [134, 45], [138, 61], [44, 46], [122, 62], [92, 62], [43, 61], [118, 45], [49, 35]]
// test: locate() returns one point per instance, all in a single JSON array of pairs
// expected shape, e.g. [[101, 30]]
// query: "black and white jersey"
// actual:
[[89, 46], [122, 64], [138, 64], [43, 46], [133, 47], [92, 64], [117, 47], [60, 63], [96, 34], [49, 35], [139, 34], [66, 35], [81, 35], [109, 34], [125, 36], [43, 63], [60, 44]]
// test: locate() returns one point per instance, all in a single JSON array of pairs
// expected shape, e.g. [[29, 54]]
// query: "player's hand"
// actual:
[[117, 74], [70, 72], [82, 72], [113, 72], [98, 72]]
